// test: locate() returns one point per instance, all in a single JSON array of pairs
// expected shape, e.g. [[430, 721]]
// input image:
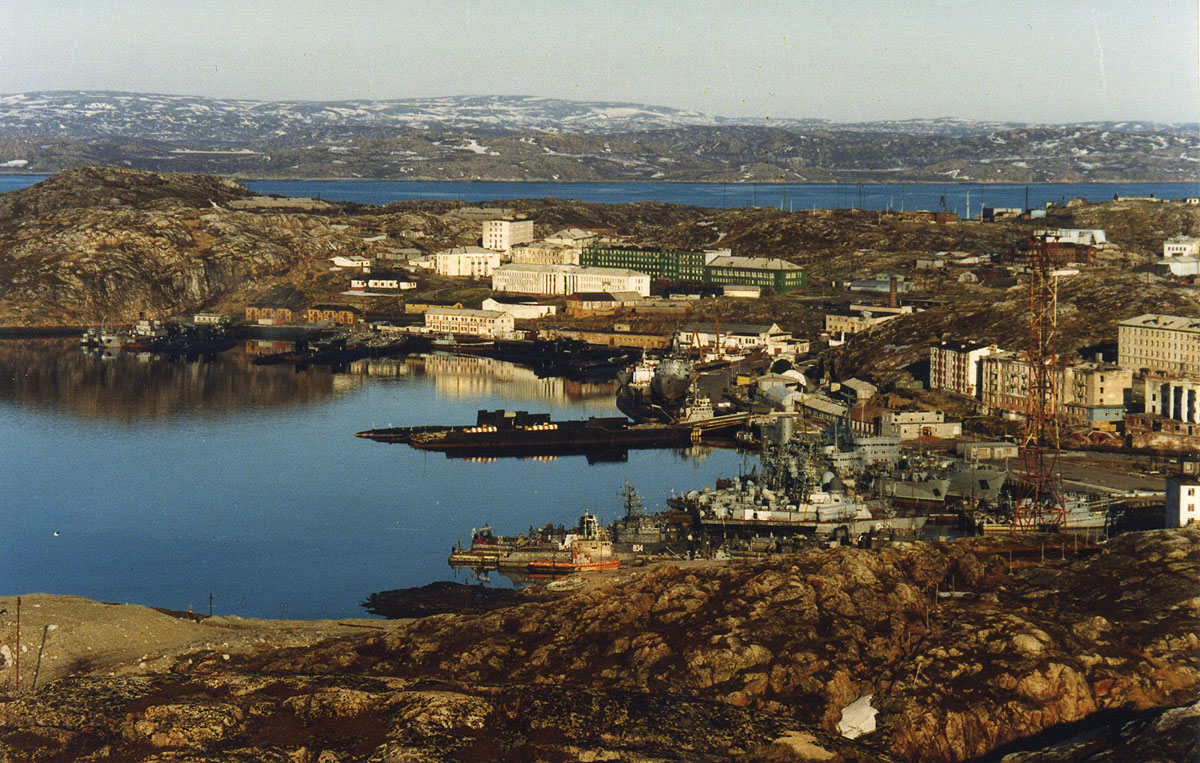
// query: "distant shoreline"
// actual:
[[955, 183]]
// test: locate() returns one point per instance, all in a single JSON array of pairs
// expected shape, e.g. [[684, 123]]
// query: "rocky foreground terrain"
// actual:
[[941, 652]]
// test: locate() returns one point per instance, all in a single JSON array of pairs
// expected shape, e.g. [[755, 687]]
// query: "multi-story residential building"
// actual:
[[1004, 387], [466, 262], [502, 235], [1183, 501], [1168, 344], [269, 314], [486, 323], [545, 253], [1076, 236], [567, 279], [343, 314], [954, 366], [769, 272], [1181, 246]]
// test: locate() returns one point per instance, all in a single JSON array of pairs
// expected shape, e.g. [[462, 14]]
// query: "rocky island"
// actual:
[[937, 652]]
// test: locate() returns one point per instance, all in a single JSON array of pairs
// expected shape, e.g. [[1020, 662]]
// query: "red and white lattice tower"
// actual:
[[1040, 487]]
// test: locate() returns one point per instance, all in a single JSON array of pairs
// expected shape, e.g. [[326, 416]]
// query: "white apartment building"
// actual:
[[545, 253], [1080, 236], [1167, 344], [466, 262], [487, 323], [954, 366], [1183, 501], [567, 279], [1181, 246], [502, 235]]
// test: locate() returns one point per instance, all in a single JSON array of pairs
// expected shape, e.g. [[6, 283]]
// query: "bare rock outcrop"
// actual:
[[956, 650]]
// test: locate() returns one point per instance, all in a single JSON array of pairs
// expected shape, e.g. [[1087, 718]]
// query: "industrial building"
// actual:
[[485, 323]]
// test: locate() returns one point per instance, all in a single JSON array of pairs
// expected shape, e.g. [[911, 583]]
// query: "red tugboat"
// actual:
[[589, 551]]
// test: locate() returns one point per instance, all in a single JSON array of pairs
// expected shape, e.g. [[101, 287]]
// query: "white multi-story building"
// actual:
[[1080, 236], [545, 253], [954, 366], [606, 279], [502, 235], [1183, 501], [1181, 246], [1168, 344], [466, 262], [567, 279], [488, 323]]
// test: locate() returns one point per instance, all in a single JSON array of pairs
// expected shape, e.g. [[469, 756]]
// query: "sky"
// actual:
[[1009, 60]]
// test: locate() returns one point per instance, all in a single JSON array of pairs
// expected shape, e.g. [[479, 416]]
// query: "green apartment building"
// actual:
[[667, 264], [767, 272], [660, 263]]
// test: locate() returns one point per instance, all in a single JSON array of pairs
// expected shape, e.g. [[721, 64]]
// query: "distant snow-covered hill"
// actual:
[[533, 138]]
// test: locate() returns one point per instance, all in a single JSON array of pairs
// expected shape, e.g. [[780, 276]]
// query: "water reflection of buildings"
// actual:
[[466, 377], [56, 374]]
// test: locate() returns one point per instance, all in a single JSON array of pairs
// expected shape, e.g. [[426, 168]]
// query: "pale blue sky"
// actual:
[[1049, 61]]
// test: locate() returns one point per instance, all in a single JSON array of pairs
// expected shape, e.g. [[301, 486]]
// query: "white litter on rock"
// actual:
[[858, 718]]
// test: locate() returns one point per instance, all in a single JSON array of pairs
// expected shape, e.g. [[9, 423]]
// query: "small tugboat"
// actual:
[[589, 551], [587, 548]]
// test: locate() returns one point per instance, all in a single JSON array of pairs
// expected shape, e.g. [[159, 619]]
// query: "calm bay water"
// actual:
[[714, 195], [166, 481]]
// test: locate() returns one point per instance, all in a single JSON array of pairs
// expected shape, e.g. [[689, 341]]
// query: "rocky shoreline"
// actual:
[[956, 653]]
